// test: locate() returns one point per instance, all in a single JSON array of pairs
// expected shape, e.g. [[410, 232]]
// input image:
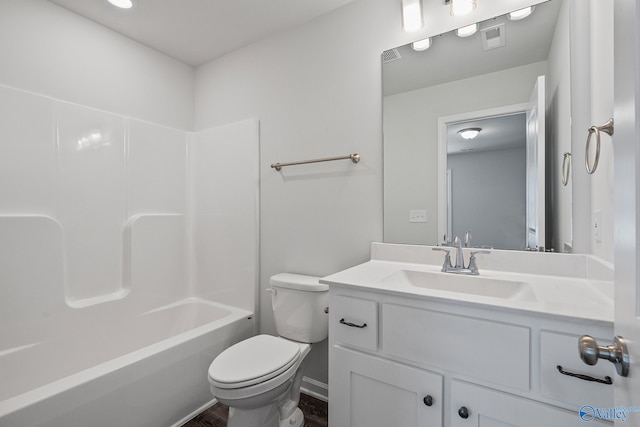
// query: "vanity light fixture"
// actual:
[[421, 45], [462, 7], [467, 31], [122, 4], [520, 14], [412, 15], [469, 133]]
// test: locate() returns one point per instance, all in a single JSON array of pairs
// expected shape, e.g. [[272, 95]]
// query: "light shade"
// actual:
[[517, 15], [412, 15], [420, 45], [469, 133], [462, 7], [467, 31], [123, 4]]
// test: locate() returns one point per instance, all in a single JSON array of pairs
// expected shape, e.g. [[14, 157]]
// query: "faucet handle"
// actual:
[[473, 265], [446, 265], [467, 239], [473, 253]]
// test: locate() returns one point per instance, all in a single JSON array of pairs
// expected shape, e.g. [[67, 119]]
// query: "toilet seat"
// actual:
[[253, 361]]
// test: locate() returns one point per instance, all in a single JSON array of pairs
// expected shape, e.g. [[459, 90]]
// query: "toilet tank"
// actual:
[[299, 306]]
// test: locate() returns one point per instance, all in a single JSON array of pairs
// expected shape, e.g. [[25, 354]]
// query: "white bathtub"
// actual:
[[147, 368]]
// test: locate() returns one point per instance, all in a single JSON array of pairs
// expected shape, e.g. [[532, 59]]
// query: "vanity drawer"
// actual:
[[558, 349], [495, 352], [357, 322]]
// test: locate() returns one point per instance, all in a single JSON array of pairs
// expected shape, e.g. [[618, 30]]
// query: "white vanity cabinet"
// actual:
[[374, 391], [399, 360]]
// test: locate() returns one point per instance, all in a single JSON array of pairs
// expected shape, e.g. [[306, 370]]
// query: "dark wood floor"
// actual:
[[315, 414]]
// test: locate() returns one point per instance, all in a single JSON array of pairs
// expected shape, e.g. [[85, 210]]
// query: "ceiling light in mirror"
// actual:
[[421, 45], [467, 31], [520, 14], [462, 7], [412, 15], [469, 133], [122, 4]]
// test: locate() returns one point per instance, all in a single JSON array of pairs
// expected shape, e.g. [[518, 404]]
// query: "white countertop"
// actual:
[[574, 296]]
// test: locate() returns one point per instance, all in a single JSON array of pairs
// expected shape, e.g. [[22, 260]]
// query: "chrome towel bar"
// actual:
[[355, 158]]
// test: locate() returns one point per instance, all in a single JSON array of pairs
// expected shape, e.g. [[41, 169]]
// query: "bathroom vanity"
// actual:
[[412, 346]]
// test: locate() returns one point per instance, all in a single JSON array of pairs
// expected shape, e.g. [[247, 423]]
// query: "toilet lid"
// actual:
[[253, 361]]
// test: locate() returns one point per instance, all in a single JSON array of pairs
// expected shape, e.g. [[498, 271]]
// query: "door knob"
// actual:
[[615, 353]]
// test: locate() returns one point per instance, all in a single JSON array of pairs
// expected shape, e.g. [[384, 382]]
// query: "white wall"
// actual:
[[317, 92], [48, 50], [411, 142], [602, 181]]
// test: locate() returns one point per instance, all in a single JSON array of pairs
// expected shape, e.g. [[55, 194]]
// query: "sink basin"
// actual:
[[474, 285]]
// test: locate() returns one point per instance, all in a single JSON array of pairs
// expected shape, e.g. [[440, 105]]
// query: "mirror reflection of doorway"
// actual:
[[487, 184]]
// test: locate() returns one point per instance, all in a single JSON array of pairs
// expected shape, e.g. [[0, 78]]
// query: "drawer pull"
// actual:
[[353, 325], [428, 400], [606, 380]]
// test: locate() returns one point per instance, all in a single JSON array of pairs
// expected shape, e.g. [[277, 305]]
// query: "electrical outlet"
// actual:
[[417, 215], [597, 224]]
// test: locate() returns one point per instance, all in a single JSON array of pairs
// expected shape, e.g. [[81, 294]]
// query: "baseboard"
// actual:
[[315, 388], [192, 415]]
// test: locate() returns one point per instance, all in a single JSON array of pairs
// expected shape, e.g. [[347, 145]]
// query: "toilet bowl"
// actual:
[[259, 378]]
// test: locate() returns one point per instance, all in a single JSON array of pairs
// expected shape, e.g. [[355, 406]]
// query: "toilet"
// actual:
[[259, 378]]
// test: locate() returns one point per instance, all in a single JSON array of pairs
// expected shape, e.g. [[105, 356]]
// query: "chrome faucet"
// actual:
[[459, 268]]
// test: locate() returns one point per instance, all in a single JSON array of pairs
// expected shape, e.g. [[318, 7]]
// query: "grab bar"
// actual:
[[606, 128], [355, 158]]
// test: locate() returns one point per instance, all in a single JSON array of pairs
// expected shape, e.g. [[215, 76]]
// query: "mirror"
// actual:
[[432, 191]]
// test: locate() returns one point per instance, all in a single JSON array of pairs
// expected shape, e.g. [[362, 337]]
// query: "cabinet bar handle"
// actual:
[[353, 325], [606, 380]]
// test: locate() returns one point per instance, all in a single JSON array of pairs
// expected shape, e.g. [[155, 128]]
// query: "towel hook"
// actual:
[[606, 128]]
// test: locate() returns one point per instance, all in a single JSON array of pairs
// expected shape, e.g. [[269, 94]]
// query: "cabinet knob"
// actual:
[[463, 412], [428, 400]]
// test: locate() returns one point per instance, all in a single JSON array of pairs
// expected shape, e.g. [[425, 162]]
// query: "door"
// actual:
[[626, 143], [536, 168]]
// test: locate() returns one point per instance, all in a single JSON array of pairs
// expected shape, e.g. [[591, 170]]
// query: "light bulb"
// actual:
[[420, 45], [467, 31], [462, 7], [122, 4], [412, 15], [520, 14]]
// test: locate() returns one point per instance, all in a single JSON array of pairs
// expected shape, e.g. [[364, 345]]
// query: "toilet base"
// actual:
[[295, 420], [265, 417]]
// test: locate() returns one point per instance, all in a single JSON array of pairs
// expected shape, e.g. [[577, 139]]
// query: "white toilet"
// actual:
[[259, 378]]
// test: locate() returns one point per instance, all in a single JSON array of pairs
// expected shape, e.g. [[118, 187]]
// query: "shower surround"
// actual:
[[128, 250]]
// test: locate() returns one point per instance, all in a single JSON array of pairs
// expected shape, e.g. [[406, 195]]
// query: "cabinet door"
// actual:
[[367, 391], [476, 406]]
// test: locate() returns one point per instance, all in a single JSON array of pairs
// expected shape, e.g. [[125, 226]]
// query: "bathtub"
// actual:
[[146, 368]]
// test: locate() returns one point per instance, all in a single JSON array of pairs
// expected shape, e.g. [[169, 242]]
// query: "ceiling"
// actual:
[[453, 58], [498, 133], [197, 31]]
